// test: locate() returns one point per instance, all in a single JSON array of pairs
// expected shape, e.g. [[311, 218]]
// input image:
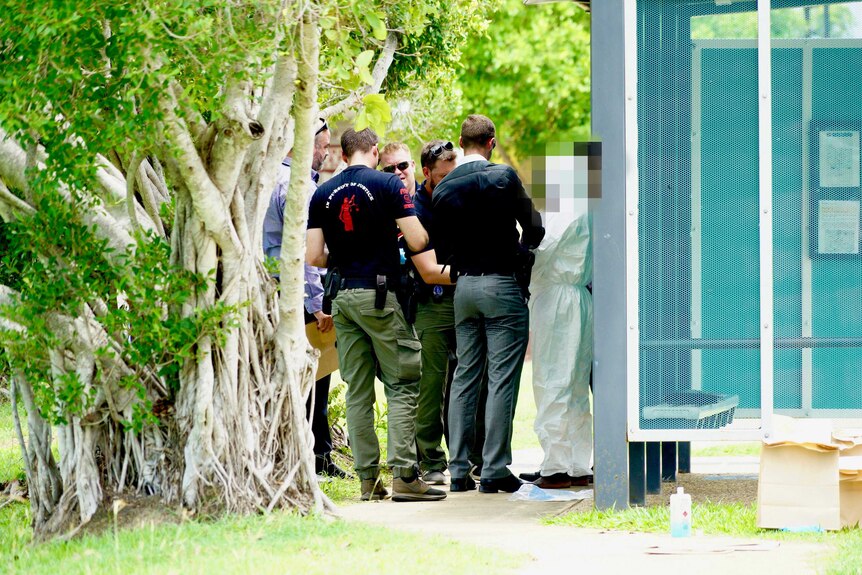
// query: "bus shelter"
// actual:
[[727, 247]]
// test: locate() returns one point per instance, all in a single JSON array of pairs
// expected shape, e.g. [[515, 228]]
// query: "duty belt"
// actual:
[[366, 283]]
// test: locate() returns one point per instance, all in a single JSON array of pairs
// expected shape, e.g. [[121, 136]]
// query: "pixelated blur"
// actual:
[[568, 171]]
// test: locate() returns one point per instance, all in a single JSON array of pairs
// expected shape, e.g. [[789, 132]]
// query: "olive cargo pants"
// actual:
[[435, 326], [378, 342]]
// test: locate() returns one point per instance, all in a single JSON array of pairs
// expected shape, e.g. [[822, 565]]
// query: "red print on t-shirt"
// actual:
[[348, 206], [408, 201]]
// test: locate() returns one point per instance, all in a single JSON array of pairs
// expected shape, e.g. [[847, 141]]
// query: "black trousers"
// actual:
[[320, 421]]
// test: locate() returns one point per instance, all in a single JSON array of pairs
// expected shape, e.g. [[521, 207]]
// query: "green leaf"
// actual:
[[364, 59], [361, 121], [380, 107], [378, 29]]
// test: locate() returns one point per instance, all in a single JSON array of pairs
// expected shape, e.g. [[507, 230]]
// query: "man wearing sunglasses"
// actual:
[[395, 159], [357, 215], [477, 209], [435, 320]]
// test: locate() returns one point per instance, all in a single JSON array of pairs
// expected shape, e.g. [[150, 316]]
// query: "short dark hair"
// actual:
[[428, 160], [476, 130], [353, 141]]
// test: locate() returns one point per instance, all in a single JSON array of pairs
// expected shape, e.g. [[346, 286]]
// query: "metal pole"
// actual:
[[612, 26]]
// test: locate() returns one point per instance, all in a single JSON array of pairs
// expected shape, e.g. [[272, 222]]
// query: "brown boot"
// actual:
[[373, 490], [553, 481]]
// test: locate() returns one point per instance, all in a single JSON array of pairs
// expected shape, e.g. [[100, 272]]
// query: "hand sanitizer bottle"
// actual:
[[680, 514]]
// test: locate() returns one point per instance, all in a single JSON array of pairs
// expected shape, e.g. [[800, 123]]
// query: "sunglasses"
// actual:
[[439, 149], [322, 128], [401, 166]]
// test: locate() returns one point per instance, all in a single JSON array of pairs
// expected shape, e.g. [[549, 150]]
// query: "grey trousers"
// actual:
[[491, 321]]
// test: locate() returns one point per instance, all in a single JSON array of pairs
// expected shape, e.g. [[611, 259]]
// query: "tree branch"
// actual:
[[7, 297], [265, 154], [236, 131], [148, 191], [206, 198], [11, 205], [130, 187], [381, 68], [13, 161], [13, 164]]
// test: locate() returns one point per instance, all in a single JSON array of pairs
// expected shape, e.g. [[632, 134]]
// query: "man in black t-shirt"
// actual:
[[357, 215]]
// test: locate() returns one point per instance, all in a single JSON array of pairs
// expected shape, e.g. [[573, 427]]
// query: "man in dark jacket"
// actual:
[[476, 208]]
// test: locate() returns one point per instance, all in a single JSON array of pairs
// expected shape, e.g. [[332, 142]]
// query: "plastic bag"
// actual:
[[530, 492]]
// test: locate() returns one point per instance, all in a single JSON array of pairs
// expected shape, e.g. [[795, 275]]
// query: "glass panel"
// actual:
[[698, 218], [817, 118], [698, 227]]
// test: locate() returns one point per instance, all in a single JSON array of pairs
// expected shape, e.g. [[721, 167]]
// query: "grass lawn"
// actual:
[[720, 449], [523, 436], [11, 462], [275, 543], [278, 543]]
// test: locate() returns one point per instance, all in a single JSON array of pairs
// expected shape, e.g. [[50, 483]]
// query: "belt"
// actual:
[[477, 273], [365, 283]]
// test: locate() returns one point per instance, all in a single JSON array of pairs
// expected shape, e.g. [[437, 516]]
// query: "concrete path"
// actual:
[[493, 521]]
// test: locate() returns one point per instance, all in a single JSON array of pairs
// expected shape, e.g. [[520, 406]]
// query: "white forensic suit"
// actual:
[[561, 320]]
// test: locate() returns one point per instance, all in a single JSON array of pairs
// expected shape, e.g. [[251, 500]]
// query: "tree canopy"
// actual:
[[139, 144], [530, 72]]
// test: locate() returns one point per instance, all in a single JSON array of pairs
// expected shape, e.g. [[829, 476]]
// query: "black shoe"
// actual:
[[530, 477], [462, 484], [508, 484], [324, 466]]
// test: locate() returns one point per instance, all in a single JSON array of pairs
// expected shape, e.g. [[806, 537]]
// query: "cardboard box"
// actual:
[[804, 480], [325, 344], [798, 487], [850, 487]]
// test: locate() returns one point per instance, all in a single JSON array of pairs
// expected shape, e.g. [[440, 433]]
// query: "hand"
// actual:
[[324, 321]]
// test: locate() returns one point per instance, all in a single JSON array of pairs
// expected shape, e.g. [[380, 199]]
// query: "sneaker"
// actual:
[[415, 490], [434, 478], [373, 490]]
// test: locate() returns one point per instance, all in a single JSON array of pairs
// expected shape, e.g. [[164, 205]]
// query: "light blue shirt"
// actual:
[[273, 226]]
